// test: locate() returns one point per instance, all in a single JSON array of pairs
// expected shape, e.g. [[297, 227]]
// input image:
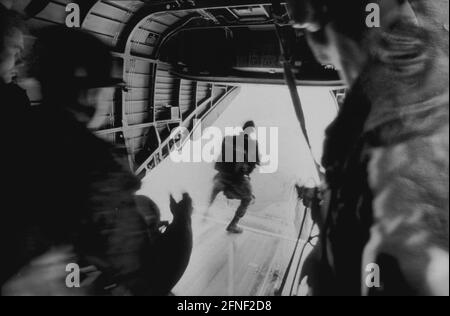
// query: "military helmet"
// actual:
[[71, 58]]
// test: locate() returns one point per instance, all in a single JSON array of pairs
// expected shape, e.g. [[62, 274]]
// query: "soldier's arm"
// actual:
[[409, 237]]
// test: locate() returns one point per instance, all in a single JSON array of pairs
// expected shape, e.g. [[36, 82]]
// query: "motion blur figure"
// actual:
[[239, 158], [77, 201], [14, 103], [16, 5], [387, 153]]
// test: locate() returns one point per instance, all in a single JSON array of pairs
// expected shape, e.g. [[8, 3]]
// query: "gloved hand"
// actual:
[[182, 209]]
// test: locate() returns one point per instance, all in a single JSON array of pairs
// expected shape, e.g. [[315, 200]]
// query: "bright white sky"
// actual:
[[268, 106]]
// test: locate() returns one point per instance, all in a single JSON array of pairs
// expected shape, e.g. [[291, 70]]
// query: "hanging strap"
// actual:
[[285, 44], [277, 13]]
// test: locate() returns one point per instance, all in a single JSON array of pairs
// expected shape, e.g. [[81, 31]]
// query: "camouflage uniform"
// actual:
[[386, 157]]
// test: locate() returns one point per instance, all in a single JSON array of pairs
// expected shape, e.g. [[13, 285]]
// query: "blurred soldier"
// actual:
[[78, 202], [14, 103], [387, 153], [171, 249], [239, 158]]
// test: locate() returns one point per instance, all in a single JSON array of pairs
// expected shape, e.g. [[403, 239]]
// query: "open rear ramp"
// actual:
[[256, 262]]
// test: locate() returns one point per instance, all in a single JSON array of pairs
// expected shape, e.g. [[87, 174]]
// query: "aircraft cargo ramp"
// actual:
[[254, 263]]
